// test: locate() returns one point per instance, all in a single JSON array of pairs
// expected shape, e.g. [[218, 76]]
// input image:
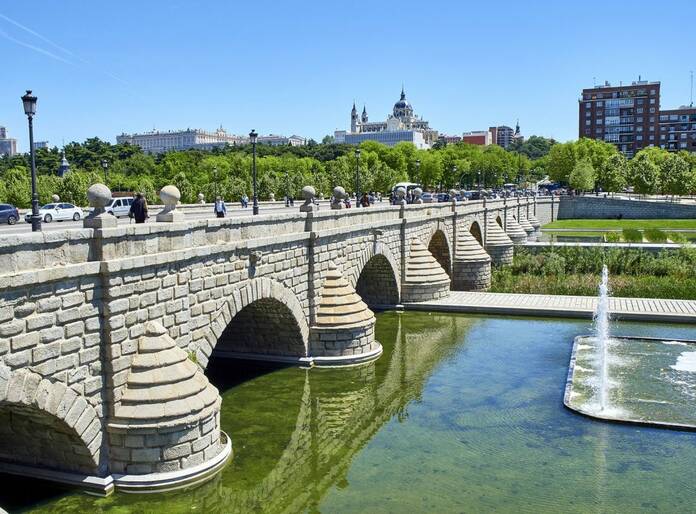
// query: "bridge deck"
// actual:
[[638, 309]]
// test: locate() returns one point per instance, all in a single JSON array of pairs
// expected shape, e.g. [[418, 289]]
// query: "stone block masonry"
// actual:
[[79, 310]]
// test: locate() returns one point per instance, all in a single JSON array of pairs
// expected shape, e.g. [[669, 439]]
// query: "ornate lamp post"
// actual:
[[105, 166], [357, 177], [478, 174], [252, 138], [454, 171], [29, 102], [418, 169], [215, 174]]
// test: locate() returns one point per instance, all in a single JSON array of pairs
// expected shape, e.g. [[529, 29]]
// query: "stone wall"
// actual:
[[592, 207]]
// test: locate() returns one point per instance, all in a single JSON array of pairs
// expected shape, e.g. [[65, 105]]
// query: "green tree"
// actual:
[[561, 161], [583, 176], [643, 173], [676, 176], [612, 175]]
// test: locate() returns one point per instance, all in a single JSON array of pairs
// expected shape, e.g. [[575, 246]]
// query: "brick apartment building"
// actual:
[[630, 117]]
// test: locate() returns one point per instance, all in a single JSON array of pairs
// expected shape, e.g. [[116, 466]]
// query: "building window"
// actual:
[[652, 110], [588, 114], [682, 145], [651, 128], [588, 105], [639, 110], [662, 137], [600, 121], [639, 138], [652, 138], [652, 101], [588, 123], [599, 104], [652, 119], [652, 91]]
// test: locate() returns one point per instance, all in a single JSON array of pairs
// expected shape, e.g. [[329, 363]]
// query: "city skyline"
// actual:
[[283, 71]]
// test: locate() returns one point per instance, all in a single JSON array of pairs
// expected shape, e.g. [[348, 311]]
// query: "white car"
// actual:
[[119, 206], [57, 212]]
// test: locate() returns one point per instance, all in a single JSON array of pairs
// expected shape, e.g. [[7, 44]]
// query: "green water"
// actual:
[[460, 414]]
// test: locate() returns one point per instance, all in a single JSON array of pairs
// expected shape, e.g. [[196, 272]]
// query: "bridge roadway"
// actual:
[[633, 309]]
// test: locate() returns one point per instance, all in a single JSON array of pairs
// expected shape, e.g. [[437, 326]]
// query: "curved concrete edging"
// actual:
[[338, 361], [103, 486], [168, 481], [624, 421]]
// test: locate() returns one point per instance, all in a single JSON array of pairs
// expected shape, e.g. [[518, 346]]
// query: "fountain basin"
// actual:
[[650, 381]]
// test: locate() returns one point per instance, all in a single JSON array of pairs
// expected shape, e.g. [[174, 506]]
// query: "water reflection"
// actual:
[[295, 432]]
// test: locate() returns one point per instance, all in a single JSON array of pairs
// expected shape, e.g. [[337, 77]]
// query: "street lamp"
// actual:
[[215, 173], [454, 171], [287, 189], [29, 102], [105, 165], [418, 169], [357, 177], [252, 138], [478, 174]]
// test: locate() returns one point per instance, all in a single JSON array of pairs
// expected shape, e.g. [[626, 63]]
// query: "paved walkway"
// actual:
[[637, 309]]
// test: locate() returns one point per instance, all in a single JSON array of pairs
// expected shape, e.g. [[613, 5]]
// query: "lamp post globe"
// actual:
[[252, 137], [357, 177], [29, 103]]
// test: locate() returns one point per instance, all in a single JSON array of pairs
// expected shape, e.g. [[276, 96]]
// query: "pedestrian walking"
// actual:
[[365, 200], [220, 209], [138, 209]]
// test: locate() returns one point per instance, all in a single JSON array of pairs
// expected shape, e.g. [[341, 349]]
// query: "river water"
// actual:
[[460, 414]]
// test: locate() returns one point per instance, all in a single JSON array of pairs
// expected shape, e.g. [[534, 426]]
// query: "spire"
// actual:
[[354, 110], [364, 109], [403, 94], [517, 127]]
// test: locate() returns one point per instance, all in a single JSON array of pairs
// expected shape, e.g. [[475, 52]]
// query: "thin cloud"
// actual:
[[34, 48], [36, 34], [53, 44]]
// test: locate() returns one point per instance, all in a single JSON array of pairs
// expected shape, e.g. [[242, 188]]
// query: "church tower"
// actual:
[[64, 168], [364, 115], [354, 119]]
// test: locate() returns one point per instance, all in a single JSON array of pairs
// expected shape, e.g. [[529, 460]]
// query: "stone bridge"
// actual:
[[106, 333]]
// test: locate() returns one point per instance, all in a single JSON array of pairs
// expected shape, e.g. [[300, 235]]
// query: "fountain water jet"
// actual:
[[601, 326]]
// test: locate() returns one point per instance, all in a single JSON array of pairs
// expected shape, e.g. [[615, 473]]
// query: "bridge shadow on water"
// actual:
[[295, 432]]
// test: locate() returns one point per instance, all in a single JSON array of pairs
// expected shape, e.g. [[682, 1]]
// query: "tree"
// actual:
[[535, 147], [675, 175], [561, 161], [643, 173], [583, 176], [612, 175]]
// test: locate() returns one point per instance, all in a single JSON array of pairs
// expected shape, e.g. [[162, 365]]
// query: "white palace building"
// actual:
[[401, 125]]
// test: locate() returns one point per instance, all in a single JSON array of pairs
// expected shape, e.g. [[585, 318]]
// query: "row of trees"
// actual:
[[227, 172], [585, 165], [589, 164]]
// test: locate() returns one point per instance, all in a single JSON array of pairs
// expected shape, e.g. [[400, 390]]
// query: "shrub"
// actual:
[[678, 237], [612, 237], [655, 235], [553, 264], [632, 235]]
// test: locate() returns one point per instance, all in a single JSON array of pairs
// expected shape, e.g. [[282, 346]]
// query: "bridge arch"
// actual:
[[441, 249], [475, 230], [47, 424], [260, 317], [375, 276]]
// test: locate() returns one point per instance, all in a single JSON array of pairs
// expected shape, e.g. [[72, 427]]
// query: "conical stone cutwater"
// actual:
[[471, 268], [166, 400], [525, 224], [425, 278], [344, 324], [498, 245], [515, 231]]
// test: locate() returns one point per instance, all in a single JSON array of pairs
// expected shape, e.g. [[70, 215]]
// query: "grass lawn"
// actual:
[[621, 224]]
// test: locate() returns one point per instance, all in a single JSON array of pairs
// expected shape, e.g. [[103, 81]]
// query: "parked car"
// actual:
[[57, 212], [119, 206], [8, 214], [428, 198]]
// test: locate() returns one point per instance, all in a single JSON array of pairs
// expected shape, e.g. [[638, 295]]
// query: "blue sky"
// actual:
[[101, 68]]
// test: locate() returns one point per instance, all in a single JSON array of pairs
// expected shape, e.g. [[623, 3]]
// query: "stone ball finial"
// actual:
[[339, 192], [55, 198], [170, 195], [271, 197], [308, 193], [401, 191], [418, 191], [98, 196], [201, 198]]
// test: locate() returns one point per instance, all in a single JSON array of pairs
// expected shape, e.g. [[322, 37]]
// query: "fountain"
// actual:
[[641, 380], [601, 321]]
